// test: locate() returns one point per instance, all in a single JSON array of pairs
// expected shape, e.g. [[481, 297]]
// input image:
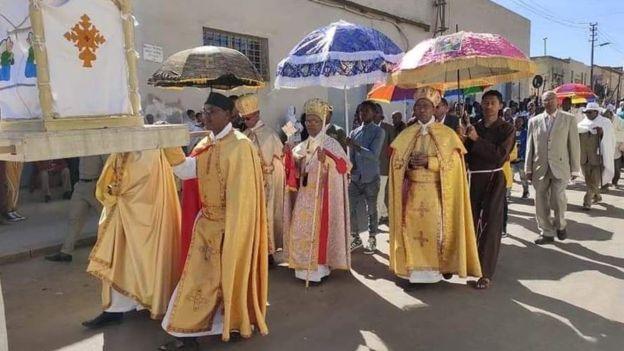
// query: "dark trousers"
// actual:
[[74, 174], [505, 214], [366, 192], [487, 195], [619, 162]]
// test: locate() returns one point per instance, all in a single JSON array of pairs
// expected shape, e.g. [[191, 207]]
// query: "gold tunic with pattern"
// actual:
[[431, 224], [226, 269]]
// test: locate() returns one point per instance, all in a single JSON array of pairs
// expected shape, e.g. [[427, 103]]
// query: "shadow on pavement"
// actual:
[[369, 307]]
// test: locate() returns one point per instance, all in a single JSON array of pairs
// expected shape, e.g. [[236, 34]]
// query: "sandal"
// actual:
[[481, 284]]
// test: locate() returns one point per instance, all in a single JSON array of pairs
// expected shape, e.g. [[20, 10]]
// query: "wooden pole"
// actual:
[[41, 57], [131, 57], [316, 201]]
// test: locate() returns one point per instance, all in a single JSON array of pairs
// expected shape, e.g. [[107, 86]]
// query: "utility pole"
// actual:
[[592, 30], [545, 39], [441, 27]]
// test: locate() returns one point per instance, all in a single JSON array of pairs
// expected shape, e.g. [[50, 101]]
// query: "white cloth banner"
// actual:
[[19, 97], [86, 57], [607, 143]]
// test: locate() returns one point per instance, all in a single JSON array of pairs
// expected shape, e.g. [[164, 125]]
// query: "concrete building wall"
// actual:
[[557, 71], [553, 70], [611, 79], [177, 25], [579, 71]]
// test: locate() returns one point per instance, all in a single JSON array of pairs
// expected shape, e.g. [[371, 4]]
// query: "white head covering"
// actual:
[[592, 106]]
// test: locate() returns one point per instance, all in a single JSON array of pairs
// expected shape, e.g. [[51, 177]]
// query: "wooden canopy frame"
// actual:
[[52, 136], [49, 121]]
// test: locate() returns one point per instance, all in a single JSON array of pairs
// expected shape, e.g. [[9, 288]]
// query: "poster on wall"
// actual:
[[19, 97], [86, 58]]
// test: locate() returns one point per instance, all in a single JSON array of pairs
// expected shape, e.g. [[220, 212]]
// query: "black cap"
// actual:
[[220, 101]]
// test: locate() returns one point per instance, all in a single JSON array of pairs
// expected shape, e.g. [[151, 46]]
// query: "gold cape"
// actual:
[[138, 245], [227, 262], [458, 249], [271, 157]]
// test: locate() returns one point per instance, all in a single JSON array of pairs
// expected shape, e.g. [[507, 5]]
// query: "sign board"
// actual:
[[153, 53], [538, 81]]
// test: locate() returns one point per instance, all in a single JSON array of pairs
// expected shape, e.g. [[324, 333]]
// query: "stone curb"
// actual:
[[41, 251]]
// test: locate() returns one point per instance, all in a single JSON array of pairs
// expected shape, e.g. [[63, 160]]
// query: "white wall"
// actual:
[[177, 25]]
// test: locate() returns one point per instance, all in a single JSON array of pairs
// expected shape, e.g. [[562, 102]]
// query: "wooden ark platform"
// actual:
[[27, 146]]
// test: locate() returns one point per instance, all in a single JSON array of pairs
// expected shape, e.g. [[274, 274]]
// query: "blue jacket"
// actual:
[[366, 160], [521, 141]]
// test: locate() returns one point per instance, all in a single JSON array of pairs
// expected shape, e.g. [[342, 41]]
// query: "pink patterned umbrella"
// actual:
[[462, 60]]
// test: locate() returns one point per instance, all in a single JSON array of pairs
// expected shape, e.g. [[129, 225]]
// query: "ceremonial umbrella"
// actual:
[[462, 60], [465, 92], [583, 100], [390, 93], [577, 92], [203, 67], [207, 67], [341, 55]]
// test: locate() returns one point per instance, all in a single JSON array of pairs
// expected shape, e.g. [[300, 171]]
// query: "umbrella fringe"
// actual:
[[415, 78]]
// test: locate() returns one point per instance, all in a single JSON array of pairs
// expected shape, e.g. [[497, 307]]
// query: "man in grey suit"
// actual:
[[552, 158]]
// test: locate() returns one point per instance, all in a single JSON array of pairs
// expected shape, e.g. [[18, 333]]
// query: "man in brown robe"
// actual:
[[489, 143]]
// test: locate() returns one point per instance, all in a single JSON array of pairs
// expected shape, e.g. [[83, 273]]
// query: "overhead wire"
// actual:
[[540, 7], [544, 15]]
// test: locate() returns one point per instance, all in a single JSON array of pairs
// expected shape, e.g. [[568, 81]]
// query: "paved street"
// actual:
[[566, 296]]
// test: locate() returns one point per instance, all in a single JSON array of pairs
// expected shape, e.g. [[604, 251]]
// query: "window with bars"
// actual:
[[255, 48]]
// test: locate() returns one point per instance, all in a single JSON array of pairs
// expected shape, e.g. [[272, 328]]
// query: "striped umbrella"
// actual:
[[390, 93], [575, 91]]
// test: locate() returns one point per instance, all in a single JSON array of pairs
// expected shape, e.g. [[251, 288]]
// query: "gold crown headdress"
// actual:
[[247, 104]]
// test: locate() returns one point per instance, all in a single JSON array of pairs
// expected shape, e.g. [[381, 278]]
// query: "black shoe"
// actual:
[[59, 257], [356, 242], [447, 276], [271, 261], [67, 195], [180, 344], [525, 195], [104, 319], [545, 240], [47, 198], [562, 234]]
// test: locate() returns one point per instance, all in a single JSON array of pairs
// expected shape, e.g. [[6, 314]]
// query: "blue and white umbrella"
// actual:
[[341, 55]]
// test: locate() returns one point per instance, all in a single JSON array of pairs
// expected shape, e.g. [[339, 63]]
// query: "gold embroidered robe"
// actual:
[[326, 242], [226, 270], [271, 157], [138, 244], [431, 225]]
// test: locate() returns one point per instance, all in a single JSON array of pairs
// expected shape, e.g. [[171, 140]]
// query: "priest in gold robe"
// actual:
[[431, 230], [137, 250], [224, 284], [271, 159], [317, 216]]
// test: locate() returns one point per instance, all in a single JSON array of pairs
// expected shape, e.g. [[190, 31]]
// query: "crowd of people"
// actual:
[[252, 198]]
